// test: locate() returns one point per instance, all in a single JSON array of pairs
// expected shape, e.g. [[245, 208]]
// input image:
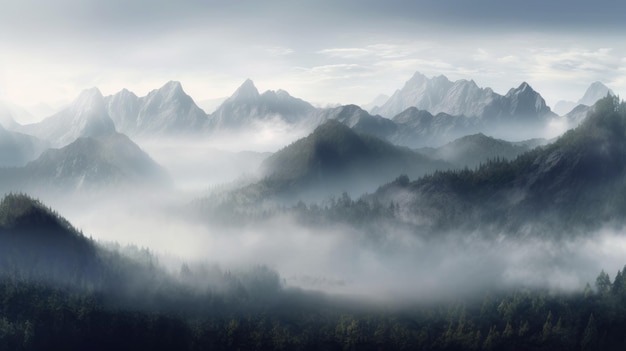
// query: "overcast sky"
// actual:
[[324, 51]]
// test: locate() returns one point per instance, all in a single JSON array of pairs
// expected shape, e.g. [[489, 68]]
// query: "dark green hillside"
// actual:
[[337, 158], [579, 180], [35, 243]]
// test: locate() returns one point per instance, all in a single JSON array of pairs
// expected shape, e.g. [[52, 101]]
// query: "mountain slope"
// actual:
[[85, 117], [7, 118], [164, 111], [359, 120], [16, 149], [89, 163], [595, 92], [377, 102], [472, 150], [335, 158], [576, 182], [42, 246]]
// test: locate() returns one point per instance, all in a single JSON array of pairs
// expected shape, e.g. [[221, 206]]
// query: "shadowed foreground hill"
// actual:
[[41, 245], [254, 312], [577, 181]]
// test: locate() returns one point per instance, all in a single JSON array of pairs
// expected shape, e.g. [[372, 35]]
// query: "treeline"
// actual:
[[72, 294], [39, 317]]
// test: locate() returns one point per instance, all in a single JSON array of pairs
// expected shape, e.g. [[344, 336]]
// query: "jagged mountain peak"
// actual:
[[417, 77], [125, 92], [525, 101], [172, 88], [524, 88], [465, 82], [247, 91], [89, 100]]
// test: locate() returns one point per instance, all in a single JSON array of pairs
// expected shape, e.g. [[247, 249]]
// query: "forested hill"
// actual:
[[38, 244], [334, 159], [579, 181]]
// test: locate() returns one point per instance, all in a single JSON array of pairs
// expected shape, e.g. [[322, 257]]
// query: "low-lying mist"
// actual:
[[196, 165], [339, 259]]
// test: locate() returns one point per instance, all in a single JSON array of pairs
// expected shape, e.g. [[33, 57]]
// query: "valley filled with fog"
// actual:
[[419, 202], [264, 157]]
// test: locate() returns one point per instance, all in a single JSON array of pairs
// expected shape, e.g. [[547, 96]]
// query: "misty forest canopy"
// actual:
[[573, 185]]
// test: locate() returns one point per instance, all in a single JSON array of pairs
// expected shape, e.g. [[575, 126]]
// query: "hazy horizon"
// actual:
[[54, 51]]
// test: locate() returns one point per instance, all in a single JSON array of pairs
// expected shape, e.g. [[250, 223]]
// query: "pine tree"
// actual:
[[590, 335], [603, 283]]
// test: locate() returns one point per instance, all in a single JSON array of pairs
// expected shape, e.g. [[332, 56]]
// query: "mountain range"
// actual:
[[425, 112], [169, 111], [164, 111], [246, 107], [575, 183], [92, 122], [465, 98]]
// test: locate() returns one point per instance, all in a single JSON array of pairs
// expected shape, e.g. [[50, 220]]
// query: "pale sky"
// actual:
[[323, 51]]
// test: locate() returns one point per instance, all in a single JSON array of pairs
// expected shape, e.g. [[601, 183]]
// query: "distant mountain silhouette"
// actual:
[[85, 117], [89, 163], [16, 149], [247, 107]]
